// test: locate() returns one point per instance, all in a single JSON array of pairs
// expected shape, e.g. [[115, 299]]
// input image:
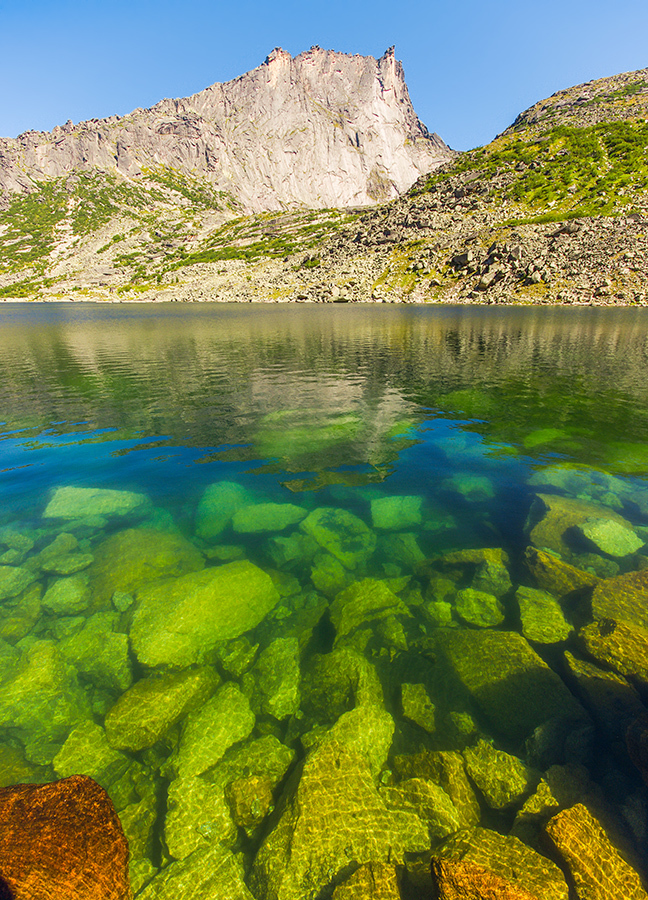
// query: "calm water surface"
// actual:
[[398, 511]]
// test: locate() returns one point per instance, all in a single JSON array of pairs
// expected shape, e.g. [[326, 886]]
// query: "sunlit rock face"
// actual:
[[324, 129]]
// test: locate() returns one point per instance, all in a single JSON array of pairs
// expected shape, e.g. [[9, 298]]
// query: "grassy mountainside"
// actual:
[[554, 209]]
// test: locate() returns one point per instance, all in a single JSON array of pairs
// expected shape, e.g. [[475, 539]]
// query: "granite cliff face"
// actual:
[[322, 130]]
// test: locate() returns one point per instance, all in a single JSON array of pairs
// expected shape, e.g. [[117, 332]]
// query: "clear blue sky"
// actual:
[[471, 65]]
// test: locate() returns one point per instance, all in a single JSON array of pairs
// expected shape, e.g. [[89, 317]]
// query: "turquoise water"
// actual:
[[377, 529]]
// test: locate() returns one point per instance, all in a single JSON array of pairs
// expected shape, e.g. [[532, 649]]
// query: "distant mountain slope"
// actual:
[[325, 129]]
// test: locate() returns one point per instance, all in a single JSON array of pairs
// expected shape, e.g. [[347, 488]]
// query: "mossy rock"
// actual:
[[418, 707], [612, 701], [14, 580], [623, 599], [503, 779], [555, 575], [99, 653], [473, 488], [371, 881], [558, 520], [277, 675], [364, 602], [542, 618], [611, 537], [429, 801], [479, 608], [447, 769], [207, 872], [619, 646], [67, 596], [342, 534], [197, 815], [178, 622], [396, 513], [259, 517], [134, 557], [78, 503], [217, 506]]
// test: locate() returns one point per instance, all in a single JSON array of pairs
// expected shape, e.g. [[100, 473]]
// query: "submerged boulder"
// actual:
[[618, 645], [610, 536], [178, 622], [217, 506], [13, 580], [503, 779], [209, 873], [396, 513], [479, 608], [541, 616], [555, 575], [445, 768], [372, 881], [276, 676], [79, 503], [319, 833], [454, 879], [197, 815], [260, 517], [342, 534], [623, 599], [67, 596], [362, 603]]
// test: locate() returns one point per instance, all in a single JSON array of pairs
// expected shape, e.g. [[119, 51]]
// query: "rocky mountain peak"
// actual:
[[322, 129]]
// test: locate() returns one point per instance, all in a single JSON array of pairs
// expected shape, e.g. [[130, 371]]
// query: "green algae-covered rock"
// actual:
[[613, 702], [237, 656], [14, 580], [597, 868], [507, 680], [429, 801], [618, 645], [556, 518], [372, 881], [473, 488], [623, 599], [79, 503], [138, 821], [209, 873], [209, 731], [417, 706], [503, 780], [100, 654], [134, 557], [402, 548], [479, 609], [277, 677], [86, 751], [67, 596], [319, 833], [260, 517], [396, 513], [492, 578], [265, 756], [153, 705], [542, 617], [585, 483], [328, 574], [178, 622], [610, 536], [293, 549], [344, 535], [508, 858], [197, 814], [445, 768], [62, 556], [366, 730], [217, 507], [41, 701], [333, 683], [249, 800], [18, 616], [363, 602], [556, 576]]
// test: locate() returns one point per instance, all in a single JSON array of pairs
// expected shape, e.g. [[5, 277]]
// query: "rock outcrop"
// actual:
[[324, 129]]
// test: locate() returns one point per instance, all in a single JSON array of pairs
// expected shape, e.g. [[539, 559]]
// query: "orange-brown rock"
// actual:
[[598, 870], [455, 879], [63, 841]]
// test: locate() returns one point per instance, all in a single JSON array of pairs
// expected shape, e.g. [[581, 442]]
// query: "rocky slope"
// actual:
[[555, 209], [322, 130]]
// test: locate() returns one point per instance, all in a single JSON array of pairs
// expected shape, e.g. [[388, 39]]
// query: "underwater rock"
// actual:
[[509, 859], [14, 580], [62, 556], [430, 803], [618, 645], [67, 596], [293, 549], [396, 513], [610, 537], [40, 701], [236, 656], [503, 780], [210, 873], [542, 617], [612, 701], [592, 485], [249, 800], [460, 880], [623, 599], [100, 654], [362, 603], [209, 731], [18, 617], [277, 677], [558, 519], [132, 558], [319, 833], [64, 840], [473, 488], [445, 768], [333, 683], [138, 821], [402, 549], [344, 535], [86, 751], [265, 757], [597, 868], [80, 503], [153, 705], [217, 506], [15, 769], [507, 680], [556, 576], [260, 517], [197, 814], [178, 622], [479, 609], [367, 731], [329, 575], [439, 613], [492, 578], [417, 706], [371, 881]]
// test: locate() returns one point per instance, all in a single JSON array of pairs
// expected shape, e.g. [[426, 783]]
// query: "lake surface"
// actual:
[[256, 562]]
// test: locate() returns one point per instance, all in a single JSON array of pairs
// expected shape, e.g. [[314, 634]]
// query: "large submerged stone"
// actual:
[[479, 608], [396, 513], [259, 517], [611, 537], [507, 680], [542, 617], [623, 599], [618, 645], [210, 873], [217, 506], [13, 580], [460, 880], [364, 602], [555, 575], [344, 535], [79, 503], [178, 622], [503, 779]]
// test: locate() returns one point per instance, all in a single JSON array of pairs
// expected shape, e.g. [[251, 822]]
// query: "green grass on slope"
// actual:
[[595, 170]]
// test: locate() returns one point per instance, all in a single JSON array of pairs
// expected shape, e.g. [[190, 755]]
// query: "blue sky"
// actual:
[[470, 66]]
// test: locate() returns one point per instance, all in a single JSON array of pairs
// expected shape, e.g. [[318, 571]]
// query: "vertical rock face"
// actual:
[[324, 129]]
